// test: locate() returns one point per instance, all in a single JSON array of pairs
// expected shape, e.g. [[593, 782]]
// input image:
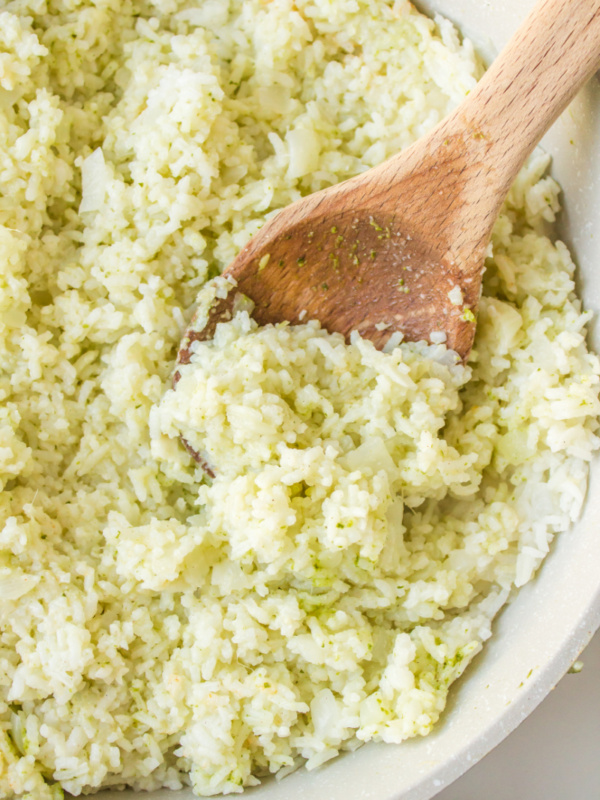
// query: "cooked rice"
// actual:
[[371, 512]]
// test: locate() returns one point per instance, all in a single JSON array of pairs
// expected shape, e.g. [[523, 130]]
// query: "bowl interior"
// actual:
[[540, 634]]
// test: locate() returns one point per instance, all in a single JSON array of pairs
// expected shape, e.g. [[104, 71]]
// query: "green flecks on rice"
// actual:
[[160, 629]]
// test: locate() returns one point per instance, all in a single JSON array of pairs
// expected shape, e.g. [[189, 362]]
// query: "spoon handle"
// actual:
[[542, 68]]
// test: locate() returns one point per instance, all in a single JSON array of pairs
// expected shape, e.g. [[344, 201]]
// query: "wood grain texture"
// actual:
[[384, 251]]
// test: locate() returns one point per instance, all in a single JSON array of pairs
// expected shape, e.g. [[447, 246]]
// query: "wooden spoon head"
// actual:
[[353, 265], [370, 275], [351, 273]]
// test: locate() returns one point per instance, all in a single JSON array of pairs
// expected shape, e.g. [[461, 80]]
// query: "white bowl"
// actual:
[[542, 632]]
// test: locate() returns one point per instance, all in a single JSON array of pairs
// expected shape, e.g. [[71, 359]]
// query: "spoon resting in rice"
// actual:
[[400, 249]]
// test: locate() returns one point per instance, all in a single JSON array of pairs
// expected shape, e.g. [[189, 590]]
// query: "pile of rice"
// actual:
[[370, 512]]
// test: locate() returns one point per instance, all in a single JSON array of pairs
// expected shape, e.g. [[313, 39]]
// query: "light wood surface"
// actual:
[[385, 251]]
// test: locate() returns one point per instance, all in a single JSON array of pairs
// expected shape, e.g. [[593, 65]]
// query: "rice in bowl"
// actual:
[[370, 512]]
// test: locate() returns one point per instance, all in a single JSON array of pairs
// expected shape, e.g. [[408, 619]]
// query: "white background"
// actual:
[[554, 754]]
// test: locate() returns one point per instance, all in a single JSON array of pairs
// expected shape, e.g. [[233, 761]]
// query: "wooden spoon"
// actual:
[[401, 247]]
